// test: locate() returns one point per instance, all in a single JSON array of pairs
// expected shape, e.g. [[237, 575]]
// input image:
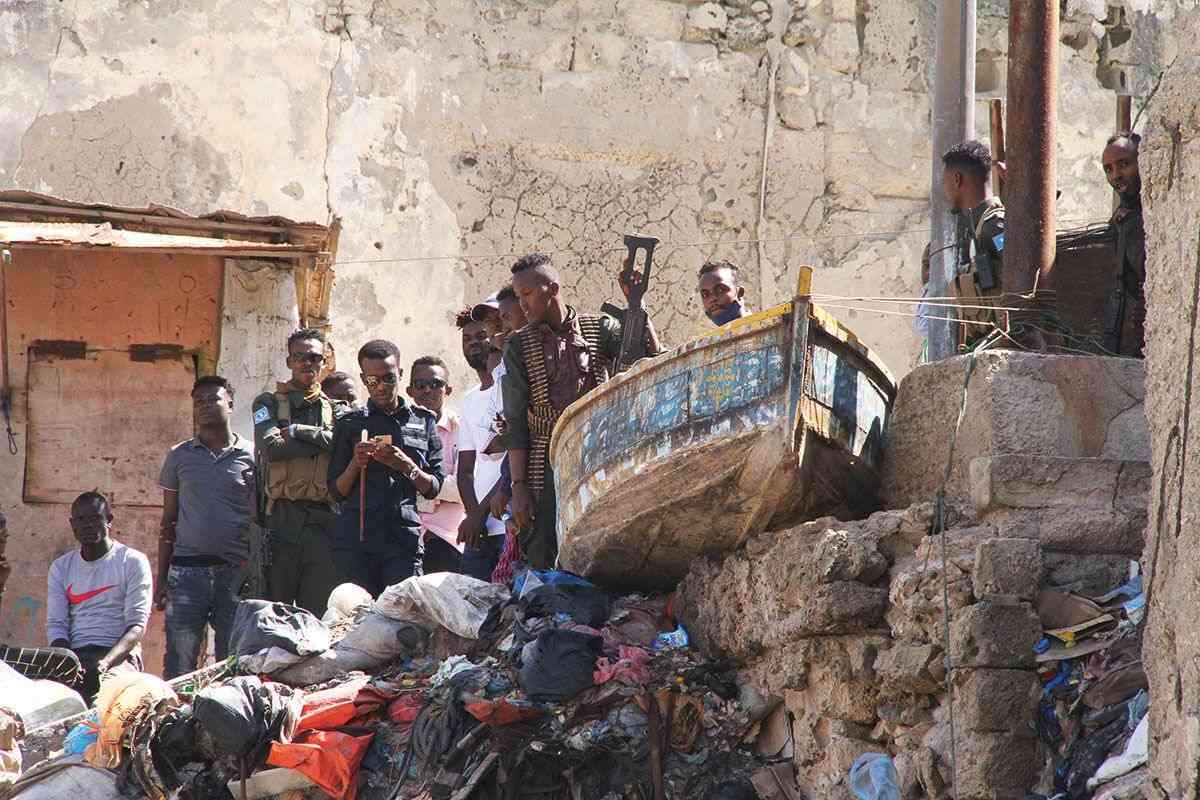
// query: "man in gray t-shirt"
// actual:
[[203, 546], [98, 597]]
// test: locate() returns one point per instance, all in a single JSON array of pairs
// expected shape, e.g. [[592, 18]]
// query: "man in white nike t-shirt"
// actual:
[[98, 597]]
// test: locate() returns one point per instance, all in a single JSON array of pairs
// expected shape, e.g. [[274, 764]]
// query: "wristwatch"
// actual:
[[412, 473]]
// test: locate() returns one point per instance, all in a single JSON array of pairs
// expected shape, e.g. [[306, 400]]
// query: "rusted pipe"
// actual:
[[1124, 112], [996, 124], [1032, 112]]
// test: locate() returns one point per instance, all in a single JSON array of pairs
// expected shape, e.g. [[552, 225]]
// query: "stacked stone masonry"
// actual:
[[845, 621]]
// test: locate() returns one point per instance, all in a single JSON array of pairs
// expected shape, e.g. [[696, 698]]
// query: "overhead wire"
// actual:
[[868, 235], [621, 249], [903, 313]]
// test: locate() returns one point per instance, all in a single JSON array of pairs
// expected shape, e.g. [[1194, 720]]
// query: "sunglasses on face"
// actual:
[[391, 379], [310, 358], [428, 383]]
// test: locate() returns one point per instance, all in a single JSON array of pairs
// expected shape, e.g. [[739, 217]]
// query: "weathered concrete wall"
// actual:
[[452, 129], [1170, 162]]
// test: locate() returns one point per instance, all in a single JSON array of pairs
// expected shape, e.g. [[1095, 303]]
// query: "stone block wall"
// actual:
[[845, 623], [1048, 407]]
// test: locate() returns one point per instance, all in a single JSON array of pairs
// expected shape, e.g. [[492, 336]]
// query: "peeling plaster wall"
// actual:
[[1170, 167], [450, 129], [453, 135]]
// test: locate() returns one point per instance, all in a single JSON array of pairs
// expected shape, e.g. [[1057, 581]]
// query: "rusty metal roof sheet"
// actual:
[[17, 206], [103, 234]]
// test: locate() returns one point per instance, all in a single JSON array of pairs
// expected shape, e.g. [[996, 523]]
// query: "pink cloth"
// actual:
[[631, 668], [510, 554], [443, 515]]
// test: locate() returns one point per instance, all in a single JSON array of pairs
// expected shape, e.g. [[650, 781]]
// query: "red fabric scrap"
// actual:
[[405, 708], [500, 712], [631, 667], [351, 702], [510, 554], [330, 759]]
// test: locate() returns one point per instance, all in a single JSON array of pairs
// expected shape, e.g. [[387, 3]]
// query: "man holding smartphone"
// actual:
[[377, 540]]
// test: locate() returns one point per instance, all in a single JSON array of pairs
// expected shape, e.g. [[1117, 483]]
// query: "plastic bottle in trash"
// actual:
[[671, 640]]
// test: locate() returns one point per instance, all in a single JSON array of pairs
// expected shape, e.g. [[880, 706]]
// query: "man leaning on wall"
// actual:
[[1125, 316]]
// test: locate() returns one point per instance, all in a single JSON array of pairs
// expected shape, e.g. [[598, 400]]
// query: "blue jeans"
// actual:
[[197, 597]]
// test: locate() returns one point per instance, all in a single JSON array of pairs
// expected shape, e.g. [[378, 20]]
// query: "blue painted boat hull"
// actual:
[[769, 421]]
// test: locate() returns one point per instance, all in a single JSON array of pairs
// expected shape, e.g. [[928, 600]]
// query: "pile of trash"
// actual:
[[443, 687], [1093, 710]]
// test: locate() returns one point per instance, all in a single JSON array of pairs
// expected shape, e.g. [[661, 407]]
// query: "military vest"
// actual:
[[542, 415], [300, 478], [975, 307]]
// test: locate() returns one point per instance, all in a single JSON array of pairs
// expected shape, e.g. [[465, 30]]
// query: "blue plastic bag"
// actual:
[[82, 735], [536, 578], [874, 778], [671, 640]]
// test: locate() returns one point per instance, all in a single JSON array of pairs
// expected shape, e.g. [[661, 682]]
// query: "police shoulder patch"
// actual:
[[262, 415], [998, 241]]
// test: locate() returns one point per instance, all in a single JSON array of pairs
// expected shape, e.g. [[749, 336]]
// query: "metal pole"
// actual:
[[996, 121], [953, 122], [1032, 113]]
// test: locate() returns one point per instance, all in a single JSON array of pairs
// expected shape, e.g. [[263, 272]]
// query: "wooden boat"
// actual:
[[768, 421]]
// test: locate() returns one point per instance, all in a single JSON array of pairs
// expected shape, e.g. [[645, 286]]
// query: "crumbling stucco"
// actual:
[[1171, 193]]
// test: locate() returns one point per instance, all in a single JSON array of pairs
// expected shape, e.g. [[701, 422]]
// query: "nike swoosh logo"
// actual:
[[76, 599]]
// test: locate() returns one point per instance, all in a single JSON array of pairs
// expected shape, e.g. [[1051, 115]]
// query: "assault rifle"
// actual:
[[633, 319]]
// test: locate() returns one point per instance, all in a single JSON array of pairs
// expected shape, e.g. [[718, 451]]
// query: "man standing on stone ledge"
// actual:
[[980, 274], [1125, 315]]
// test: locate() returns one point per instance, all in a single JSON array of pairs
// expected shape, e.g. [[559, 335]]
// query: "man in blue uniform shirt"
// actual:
[[401, 458]]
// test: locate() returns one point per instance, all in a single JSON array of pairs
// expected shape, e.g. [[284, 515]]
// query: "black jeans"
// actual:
[[479, 562], [539, 544], [377, 564]]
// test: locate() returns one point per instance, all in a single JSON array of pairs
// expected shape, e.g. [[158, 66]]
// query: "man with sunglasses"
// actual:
[[400, 459], [293, 439], [429, 386]]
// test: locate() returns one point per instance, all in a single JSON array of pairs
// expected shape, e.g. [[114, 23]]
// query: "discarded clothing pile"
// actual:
[[1093, 710], [449, 687]]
